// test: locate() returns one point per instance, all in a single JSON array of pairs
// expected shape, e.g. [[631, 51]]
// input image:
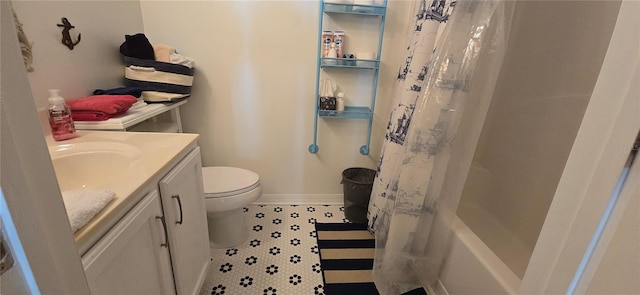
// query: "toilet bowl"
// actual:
[[226, 191]]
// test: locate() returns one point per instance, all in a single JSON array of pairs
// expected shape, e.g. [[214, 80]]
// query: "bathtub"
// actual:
[[472, 268]]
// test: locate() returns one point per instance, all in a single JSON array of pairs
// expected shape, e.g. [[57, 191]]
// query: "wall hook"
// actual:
[[66, 36]]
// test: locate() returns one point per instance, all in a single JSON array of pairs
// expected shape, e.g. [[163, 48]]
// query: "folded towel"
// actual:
[[162, 97], [137, 46], [162, 52], [138, 105], [89, 116], [110, 104], [135, 91], [182, 60], [83, 205]]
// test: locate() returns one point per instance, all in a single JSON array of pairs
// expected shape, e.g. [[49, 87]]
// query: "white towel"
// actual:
[[155, 96], [182, 60], [83, 205], [139, 104], [162, 52]]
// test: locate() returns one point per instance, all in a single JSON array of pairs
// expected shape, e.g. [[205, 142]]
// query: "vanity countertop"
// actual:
[[156, 153]]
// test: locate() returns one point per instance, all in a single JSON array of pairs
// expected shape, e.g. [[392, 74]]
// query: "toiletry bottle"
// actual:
[[338, 39], [60, 120], [332, 51], [327, 39], [332, 54], [340, 102]]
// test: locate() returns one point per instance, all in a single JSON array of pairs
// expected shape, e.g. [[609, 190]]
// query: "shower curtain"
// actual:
[[430, 140]]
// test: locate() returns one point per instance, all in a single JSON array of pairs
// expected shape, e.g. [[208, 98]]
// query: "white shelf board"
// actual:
[[130, 118]]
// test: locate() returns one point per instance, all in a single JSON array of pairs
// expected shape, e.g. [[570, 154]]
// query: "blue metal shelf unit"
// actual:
[[350, 112]]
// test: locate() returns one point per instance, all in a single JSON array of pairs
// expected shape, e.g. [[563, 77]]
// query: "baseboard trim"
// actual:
[[307, 199]]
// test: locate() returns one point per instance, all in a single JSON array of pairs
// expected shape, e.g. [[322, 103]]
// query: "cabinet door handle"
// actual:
[[179, 205], [166, 237]]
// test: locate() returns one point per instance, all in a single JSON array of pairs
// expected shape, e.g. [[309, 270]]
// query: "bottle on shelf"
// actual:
[[340, 102], [327, 39], [332, 53], [338, 39], [60, 120]]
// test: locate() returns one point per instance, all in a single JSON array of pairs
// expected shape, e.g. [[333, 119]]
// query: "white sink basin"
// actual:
[[92, 165]]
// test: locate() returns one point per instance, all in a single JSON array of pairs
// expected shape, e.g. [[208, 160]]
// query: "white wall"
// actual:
[[254, 91], [94, 63], [553, 60]]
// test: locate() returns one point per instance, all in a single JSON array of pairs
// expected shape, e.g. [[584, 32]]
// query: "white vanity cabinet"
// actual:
[[133, 257], [186, 220], [161, 245]]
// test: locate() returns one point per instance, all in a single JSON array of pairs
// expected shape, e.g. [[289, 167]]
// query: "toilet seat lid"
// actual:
[[224, 181]]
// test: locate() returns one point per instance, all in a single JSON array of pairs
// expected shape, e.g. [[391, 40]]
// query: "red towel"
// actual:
[[89, 116], [109, 104], [93, 115]]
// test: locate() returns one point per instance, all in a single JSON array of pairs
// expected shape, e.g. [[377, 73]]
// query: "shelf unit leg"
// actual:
[[175, 116], [364, 150], [313, 148]]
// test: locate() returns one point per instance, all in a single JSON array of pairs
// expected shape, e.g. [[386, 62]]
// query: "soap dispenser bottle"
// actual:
[[60, 120]]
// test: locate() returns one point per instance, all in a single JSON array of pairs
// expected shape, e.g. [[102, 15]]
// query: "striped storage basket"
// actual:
[[160, 81]]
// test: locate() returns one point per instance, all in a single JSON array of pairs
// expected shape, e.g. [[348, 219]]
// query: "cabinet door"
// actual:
[[183, 202], [132, 258]]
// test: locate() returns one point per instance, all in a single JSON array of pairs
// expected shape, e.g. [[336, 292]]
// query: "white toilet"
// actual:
[[226, 191]]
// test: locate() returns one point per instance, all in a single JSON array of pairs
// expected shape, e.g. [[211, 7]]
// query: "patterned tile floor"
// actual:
[[280, 257]]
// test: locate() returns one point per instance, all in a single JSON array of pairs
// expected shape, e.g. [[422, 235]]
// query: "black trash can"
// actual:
[[357, 184]]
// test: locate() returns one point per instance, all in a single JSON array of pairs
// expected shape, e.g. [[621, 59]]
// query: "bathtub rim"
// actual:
[[489, 261]]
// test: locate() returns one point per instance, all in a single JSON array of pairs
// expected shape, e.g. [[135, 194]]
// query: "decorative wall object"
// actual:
[[25, 45], [66, 34]]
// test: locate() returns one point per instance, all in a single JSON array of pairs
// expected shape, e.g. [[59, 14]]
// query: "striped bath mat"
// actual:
[[346, 258]]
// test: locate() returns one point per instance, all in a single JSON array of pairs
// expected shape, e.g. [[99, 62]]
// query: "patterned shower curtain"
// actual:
[[429, 22], [414, 175]]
